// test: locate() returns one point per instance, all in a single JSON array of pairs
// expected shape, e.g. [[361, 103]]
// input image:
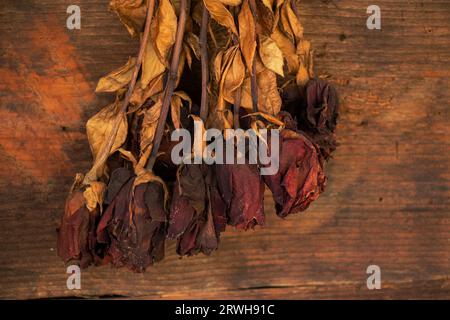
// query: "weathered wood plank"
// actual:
[[387, 201]]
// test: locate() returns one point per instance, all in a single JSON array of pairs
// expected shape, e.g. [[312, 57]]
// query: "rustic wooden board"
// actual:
[[387, 201]]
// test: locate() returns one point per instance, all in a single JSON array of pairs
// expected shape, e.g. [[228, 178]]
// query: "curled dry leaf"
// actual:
[[231, 2], [290, 23], [288, 49], [247, 35], [152, 67], [98, 129], [141, 95], [305, 71], [94, 195], [164, 30], [266, 18], [233, 74], [131, 13], [220, 13], [231, 70], [149, 124], [194, 43], [177, 103], [271, 55], [269, 100], [118, 78]]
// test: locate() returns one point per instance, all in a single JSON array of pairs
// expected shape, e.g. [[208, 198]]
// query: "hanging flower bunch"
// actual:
[[226, 63]]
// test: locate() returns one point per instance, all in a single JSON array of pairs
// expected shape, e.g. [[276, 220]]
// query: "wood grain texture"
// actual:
[[388, 197]]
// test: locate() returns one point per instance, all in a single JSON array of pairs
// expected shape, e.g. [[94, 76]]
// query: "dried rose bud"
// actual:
[[134, 224], [76, 235], [242, 189], [316, 109], [300, 178], [197, 213]]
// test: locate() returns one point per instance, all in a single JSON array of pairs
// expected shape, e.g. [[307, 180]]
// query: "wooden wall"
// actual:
[[387, 201]]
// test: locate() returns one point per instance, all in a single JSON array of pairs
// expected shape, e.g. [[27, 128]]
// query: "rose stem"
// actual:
[[237, 104], [104, 153], [254, 87], [172, 77], [253, 81], [205, 64]]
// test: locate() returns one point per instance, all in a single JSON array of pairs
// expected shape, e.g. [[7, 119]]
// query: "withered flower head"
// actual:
[[316, 109], [300, 178], [76, 235], [197, 214], [134, 223], [242, 189]]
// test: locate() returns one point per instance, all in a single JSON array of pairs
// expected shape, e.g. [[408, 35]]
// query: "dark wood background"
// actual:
[[387, 201]]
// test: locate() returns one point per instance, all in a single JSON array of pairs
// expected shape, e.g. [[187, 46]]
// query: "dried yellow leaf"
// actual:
[[305, 71], [220, 13], [94, 195], [118, 78], [131, 13], [247, 34], [271, 55], [291, 25], [232, 74], [266, 18], [152, 66], [140, 95], [231, 2], [164, 30], [269, 100], [288, 49], [98, 129], [149, 124], [194, 43], [177, 103]]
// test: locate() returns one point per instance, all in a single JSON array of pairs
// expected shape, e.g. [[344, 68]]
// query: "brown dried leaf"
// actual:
[[266, 17], [291, 25], [149, 124], [271, 55], [194, 43], [231, 2], [117, 79], [131, 13], [220, 13], [94, 195], [98, 129], [177, 103], [288, 49], [152, 66], [247, 35], [269, 100], [232, 74], [305, 71], [140, 95], [164, 30]]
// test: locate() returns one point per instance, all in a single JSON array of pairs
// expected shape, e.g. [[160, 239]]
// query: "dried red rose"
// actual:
[[134, 224], [197, 215], [316, 109], [300, 178], [242, 189], [76, 235]]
